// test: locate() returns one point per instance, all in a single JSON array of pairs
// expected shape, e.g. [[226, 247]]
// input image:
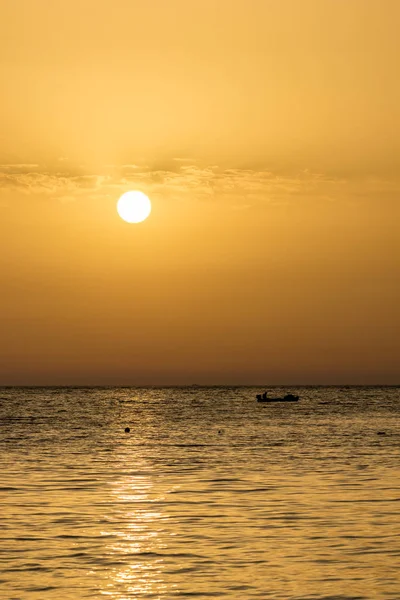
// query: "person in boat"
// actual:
[[264, 396]]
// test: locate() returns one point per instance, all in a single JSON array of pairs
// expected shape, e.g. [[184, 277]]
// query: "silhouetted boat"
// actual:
[[287, 398]]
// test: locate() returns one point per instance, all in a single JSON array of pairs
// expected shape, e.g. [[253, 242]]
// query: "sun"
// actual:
[[134, 207]]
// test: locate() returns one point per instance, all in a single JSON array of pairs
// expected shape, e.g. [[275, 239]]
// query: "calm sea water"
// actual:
[[209, 495]]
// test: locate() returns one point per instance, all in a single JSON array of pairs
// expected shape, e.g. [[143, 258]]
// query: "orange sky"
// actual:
[[266, 134]]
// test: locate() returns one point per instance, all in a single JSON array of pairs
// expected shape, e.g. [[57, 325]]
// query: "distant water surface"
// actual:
[[210, 495]]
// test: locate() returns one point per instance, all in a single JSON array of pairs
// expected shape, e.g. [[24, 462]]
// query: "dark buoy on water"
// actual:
[[127, 430]]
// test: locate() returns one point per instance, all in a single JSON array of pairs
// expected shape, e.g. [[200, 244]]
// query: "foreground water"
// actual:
[[210, 494]]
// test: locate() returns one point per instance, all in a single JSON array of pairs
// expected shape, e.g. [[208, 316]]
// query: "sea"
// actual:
[[209, 495]]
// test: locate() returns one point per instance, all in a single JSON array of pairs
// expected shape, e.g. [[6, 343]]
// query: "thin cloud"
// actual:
[[18, 167], [239, 188]]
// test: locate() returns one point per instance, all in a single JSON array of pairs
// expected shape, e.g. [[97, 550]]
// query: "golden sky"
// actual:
[[267, 136]]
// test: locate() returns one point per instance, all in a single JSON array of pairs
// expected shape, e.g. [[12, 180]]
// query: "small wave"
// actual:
[[340, 597]]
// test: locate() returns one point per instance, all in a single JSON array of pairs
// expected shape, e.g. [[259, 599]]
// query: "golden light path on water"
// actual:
[[137, 536], [136, 528]]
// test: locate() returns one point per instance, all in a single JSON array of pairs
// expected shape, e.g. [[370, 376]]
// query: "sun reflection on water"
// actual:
[[136, 544]]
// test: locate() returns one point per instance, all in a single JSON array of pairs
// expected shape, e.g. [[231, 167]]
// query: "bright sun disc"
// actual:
[[134, 207]]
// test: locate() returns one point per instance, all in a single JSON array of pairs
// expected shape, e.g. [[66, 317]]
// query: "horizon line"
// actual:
[[196, 385]]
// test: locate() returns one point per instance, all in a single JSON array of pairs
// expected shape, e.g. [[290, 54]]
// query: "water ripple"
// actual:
[[210, 495]]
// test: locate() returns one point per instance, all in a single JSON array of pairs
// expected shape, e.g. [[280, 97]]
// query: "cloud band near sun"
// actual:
[[183, 181]]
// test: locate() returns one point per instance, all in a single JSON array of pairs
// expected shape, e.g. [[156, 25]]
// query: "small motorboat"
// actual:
[[287, 398]]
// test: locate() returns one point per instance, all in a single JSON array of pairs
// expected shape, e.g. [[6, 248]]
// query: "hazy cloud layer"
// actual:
[[181, 181]]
